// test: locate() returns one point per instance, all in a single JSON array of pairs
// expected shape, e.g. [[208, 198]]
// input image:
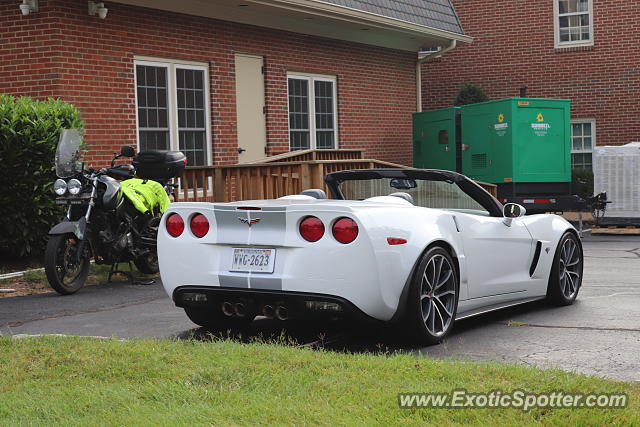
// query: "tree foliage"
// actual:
[[470, 94]]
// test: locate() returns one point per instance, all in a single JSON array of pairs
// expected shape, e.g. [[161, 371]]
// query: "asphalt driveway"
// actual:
[[598, 335]]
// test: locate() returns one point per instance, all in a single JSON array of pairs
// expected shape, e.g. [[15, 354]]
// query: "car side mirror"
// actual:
[[512, 210], [127, 151]]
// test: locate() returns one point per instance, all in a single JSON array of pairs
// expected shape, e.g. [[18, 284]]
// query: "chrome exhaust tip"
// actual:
[[282, 313], [239, 309], [268, 311], [227, 309]]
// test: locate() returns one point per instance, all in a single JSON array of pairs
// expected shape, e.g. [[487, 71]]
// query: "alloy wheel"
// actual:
[[438, 295], [570, 268]]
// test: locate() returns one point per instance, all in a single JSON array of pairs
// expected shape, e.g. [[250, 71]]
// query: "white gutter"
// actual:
[[423, 59]]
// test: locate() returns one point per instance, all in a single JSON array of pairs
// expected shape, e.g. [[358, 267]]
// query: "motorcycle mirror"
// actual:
[[127, 151]]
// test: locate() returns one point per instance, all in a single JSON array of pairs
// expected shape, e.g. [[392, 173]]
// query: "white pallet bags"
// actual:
[[616, 170]]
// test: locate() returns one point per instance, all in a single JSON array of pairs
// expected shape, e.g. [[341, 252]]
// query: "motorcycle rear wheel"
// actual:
[[148, 264], [65, 275]]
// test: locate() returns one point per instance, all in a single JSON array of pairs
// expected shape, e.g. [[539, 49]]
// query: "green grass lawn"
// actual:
[[84, 381]]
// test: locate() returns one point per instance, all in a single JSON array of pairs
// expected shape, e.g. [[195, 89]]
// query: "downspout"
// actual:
[[423, 59]]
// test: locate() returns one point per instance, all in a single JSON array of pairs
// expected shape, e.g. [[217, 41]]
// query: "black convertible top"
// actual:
[[470, 187]]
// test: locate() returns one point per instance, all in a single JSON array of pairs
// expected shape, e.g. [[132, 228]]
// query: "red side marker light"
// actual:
[[396, 241]]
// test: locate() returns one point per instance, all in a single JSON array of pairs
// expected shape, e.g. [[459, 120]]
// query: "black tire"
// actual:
[[431, 314], [565, 279], [65, 275], [147, 264], [214, 320]]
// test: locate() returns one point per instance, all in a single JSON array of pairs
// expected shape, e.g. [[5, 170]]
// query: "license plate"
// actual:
[[253, 260]]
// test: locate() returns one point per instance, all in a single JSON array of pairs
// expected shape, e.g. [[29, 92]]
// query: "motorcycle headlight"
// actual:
[[74, 186], [60, 187]]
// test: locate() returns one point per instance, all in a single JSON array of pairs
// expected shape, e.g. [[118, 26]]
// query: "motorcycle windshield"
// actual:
[[68, 154]]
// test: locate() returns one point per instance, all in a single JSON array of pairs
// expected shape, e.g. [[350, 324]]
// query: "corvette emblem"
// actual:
[[249, 222]]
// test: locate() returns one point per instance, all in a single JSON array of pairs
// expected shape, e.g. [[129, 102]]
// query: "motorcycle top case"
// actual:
[[159, 164]]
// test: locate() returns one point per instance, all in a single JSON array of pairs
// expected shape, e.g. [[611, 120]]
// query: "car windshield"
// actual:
[[68, 153], [425, 193]]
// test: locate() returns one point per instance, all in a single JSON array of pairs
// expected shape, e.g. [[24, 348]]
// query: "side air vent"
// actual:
[[536, 258], [479, 161]]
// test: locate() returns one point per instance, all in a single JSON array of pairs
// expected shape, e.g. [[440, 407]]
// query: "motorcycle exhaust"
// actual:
[[282, 313], [268, 311], [239, 309], [227, 308]]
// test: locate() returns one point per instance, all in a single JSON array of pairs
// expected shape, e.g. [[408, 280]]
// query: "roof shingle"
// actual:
[[430, 13]]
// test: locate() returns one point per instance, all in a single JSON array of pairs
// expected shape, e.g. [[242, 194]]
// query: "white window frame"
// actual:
[[592, 122], [311, 78], [556, 26], [172, 95]]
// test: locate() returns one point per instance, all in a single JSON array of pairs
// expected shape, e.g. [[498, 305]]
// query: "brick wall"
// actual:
[[514, 45], [65, 53]]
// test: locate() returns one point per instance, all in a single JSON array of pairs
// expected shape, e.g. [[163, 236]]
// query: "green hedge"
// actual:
[[29, 132]]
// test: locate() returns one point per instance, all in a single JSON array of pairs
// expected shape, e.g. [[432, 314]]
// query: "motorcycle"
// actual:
[[102, 220]]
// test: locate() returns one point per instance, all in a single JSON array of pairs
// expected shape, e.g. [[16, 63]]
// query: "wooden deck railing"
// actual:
[[252, 181]]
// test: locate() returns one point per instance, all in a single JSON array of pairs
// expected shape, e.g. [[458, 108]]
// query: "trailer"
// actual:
[[523, 145]]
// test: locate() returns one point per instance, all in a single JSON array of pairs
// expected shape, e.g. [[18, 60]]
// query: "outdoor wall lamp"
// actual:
[[28, 6], [97, 8]]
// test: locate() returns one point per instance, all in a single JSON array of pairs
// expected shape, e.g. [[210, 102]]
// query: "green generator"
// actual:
[[521, 144]]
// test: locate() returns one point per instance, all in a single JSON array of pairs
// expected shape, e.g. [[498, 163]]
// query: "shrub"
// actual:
[[470, 94], [29, 133], [582, 182]]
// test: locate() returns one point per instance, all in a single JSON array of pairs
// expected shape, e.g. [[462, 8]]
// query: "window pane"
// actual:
[[576, 129], [325, 139], [154, 140], [564, 21], [192, 132], [572, 6], [193, 145], [298, 114], [152, 102], [583, 6], [324, 114]]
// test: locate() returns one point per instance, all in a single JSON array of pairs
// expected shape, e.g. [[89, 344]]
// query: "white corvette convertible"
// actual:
[[425, 247]]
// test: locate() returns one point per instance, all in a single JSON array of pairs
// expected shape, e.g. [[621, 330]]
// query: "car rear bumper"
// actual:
[[298, 304]]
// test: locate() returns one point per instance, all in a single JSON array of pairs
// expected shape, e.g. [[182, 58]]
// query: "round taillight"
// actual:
[[311, 229], [199, 225], [345, 230], [174, 224]]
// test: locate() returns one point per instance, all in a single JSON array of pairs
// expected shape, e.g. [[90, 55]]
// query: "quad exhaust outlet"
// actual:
[[282, 313], [268, 311], [228, 309]]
